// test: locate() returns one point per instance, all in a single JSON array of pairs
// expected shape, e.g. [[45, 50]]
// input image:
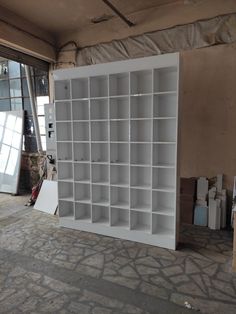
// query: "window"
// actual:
[[14, 95]]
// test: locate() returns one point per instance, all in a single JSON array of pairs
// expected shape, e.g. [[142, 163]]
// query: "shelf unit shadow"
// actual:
[[117, 140]]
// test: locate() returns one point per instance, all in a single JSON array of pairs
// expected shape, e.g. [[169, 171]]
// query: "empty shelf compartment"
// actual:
[[141, 107], [163, 203], [119, 153], [120, 217], [83, 212], [164, 155], [141, 82], [82, 172], [140, 221], [119, 131], [100, 194], [141, 154], [99, 152], [64, 151], [81, 131], [81, 152], [100, 174], [64, 131], [141, 131], [141, 200], [66, 209], [100, 214], [82, 192], [99, 86], [164, 179], [62, 90], [119, 108], [141, 177], [164, 131], [99, 131], [65, 190], [119, 197], [119, 84], [165, 79], [165, 106], [80, 110], [79, 88], [65, 171], [99, 109], [163, 225], [63, 111], [119, 175]]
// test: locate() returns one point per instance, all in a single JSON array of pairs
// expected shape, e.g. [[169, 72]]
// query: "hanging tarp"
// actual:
[[218, 30]]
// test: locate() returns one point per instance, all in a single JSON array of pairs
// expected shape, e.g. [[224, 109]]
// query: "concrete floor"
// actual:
[[47, 269]]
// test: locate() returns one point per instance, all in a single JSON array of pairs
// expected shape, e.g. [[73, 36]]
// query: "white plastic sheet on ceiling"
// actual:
[[218, 30]]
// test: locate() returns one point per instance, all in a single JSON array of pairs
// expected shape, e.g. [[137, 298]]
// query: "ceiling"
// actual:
[[56, 16]]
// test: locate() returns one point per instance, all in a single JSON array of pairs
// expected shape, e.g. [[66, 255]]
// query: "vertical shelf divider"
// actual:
[[109, 151], [129, 151]]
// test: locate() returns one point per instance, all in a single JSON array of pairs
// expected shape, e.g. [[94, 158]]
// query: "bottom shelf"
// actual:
[[140, 221], [120, 217], [100, 214], [83, 212], [163, 225], [66, 208]]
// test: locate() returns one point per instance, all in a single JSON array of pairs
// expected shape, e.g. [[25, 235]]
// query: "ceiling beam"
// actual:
[[114, 9]]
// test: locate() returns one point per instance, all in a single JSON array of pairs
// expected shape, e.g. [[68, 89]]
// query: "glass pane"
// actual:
[[41, 85], [41, 101], [27, 105], [4, 89], [41, 121], [16, 103], [14, 69], [25, 87], [22, 70], [4, 69], [5, 105], [43, 140], [15, 88]]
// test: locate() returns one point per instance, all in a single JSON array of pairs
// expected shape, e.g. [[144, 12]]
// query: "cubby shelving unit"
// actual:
[[117, 131]]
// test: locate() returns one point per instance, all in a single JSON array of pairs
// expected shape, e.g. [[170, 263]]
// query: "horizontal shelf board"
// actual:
[[100, 162], [100, 182], [98, 142], [142, 208], [119, 96], [119, 163], [101, 203], [99, 97], [142, 94], [82, 181], [63, 100], [68, 199], [99, 120], [162, 165], [81, 142], [71, 217], [84, 200], [65, 180], [147, 142], [78, 99], [140, 119], [120, 205], [125, 119], [164, 212], [161, 142], [165, 93], [120, 184], [164, 118], [164, 188], [81, 161], [141, 165], [142, 187], [84, 120], [64, 141]]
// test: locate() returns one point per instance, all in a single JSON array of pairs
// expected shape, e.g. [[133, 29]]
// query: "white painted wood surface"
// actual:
[[47, 200], [117, 127], [11, 133]]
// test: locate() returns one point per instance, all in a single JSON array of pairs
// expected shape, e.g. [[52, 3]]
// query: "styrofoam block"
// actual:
[[200, 215], [212, 193], [201, 203], [214, 214], [219, 183], [202, 188], [223, 198]]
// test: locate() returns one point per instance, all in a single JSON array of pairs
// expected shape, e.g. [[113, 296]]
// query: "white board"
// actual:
[[47, 200], [11, 133]]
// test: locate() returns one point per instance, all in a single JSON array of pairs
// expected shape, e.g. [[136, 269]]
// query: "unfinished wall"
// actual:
[[208, 112]]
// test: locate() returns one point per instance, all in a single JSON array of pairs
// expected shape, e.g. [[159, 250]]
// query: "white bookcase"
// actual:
[[117, 128]]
